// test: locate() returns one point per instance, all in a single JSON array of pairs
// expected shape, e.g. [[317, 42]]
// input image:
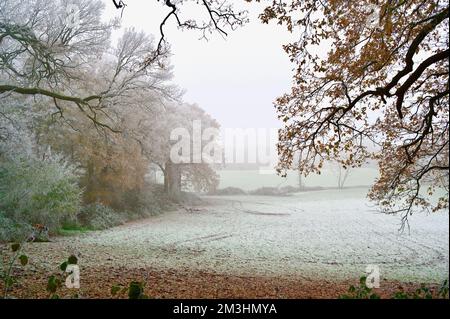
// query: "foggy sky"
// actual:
[[235, 79]]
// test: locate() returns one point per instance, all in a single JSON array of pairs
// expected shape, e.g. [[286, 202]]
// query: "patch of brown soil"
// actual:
[[97, 283]]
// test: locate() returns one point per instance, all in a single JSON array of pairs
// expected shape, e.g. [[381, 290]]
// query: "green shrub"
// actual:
[[423, 292], [73, 229], [135, 290], [149, 201], [360, 292], [443, 289], [7, 275], [132, 205], [36, 191], [98, 216], [11, 230]]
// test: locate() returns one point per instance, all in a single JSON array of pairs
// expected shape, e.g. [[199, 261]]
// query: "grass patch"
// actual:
[[73, 230]]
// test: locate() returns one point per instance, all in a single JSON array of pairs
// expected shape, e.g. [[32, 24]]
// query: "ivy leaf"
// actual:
[[72, 260], [362, 280], [23, 260], [136, 290], [9, 281], [15, 247], [115, 289], [63, 266], [53, 284]]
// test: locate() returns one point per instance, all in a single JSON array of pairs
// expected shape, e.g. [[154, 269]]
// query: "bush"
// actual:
[[267, 191], [227, 191], [7, 273], [187, 198], [34, 191], [132, 205], [289, 189], [97, 216], [423, 292], [11, 230], [360, 292], [149, 201], [135, 290], [282, 191]]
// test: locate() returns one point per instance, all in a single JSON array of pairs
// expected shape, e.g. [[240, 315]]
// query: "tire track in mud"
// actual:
[[254, 212], [414, 252], [204, 239], [306, 256], [221, 236], [383, 237], [415, 248]]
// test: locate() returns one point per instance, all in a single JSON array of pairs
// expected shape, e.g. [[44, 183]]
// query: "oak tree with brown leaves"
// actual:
[[379, 92]]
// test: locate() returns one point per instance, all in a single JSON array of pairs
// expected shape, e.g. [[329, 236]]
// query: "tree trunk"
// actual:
[[90, 184], [172, 180], [342, 177], [301, 184]]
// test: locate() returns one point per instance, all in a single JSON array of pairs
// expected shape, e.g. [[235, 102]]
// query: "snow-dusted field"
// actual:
[[329, 235]]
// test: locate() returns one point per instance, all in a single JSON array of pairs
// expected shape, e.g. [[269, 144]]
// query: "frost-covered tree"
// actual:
[[37, 186], [51, 49], [157, 146], [39, 190], [58, 70], [110, 159]]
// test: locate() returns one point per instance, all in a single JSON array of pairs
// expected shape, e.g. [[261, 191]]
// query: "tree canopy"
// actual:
[[87, 113], [371, 82]]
